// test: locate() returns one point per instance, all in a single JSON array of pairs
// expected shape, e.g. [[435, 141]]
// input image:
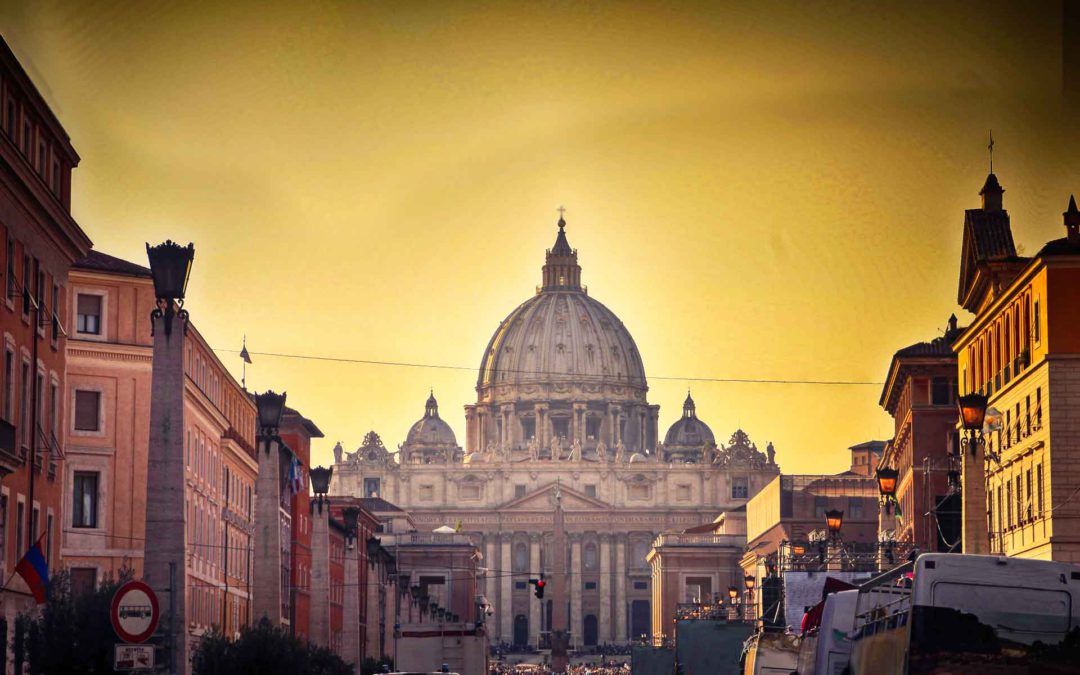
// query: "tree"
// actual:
[[72, 634], [264, 649]]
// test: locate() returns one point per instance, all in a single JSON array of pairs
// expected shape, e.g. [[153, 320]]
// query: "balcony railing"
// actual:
[[698, 540]]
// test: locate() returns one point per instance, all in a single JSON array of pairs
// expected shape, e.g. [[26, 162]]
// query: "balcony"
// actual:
[[699, 540]]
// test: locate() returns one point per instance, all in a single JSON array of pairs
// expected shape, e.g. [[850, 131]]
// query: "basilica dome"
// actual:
[[431, 429], [688, 430], [563, 336]]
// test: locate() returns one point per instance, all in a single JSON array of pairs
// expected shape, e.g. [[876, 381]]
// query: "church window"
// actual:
[[855, 508], [638, 492], [592, 427], [519, 491], [590, 491], [470, 491], [521, 585], [589, 557], [521, 557], [561, 426], [427, 493], [641, 585], [371, 487], [590, 585], [528, 427], [682, 493], [739, 488]]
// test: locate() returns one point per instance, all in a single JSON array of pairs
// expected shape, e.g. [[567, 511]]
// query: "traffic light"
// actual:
[[540, 585]]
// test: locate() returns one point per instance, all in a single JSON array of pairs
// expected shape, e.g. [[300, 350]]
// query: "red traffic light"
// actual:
[[540, 584]]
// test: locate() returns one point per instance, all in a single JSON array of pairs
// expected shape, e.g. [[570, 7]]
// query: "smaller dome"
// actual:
[[430, 429], [688, 430]]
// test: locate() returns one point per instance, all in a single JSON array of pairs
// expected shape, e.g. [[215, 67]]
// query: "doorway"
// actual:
[[521, 630], [590, 630]]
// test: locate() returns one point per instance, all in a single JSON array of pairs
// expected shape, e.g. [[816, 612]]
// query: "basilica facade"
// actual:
[[561, 400]]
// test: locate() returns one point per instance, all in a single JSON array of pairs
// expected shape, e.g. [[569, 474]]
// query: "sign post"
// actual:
[[134, 614]]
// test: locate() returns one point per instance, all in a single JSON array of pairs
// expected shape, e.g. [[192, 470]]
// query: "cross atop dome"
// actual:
[[561, 271], [688, 407], [431, 408]]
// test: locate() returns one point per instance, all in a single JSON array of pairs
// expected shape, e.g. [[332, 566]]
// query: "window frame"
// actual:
[[90, 389]]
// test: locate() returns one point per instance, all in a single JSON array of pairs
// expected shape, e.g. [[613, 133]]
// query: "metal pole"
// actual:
[[172, 615], [36, 314]]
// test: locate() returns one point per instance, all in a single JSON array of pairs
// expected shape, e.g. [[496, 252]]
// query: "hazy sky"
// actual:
[[758, 190]]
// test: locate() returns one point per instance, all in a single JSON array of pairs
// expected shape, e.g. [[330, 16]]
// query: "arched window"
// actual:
[[521, 557], [589, 557]]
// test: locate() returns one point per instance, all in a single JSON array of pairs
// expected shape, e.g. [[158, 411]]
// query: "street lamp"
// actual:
[[972, 416], [170, 266], [733, 594], [320, 483], [886, 480], [270, 407], [750, 581], [833, 520], [351, 514], [372, 547]]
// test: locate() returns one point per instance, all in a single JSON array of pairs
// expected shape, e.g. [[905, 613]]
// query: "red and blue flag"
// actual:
[[34, 570]]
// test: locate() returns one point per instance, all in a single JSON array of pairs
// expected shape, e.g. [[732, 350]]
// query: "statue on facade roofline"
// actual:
[[620, 451], [556, 449], [534, 449], [601, 451], [771, 452], [575, 451]]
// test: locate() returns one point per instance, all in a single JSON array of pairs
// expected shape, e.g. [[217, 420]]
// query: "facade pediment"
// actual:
[[544, 500]]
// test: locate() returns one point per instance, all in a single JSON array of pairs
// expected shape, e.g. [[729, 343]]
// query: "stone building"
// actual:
[[41, 240], [1022, 350], [920, 394], [561, 398], [109, 383]]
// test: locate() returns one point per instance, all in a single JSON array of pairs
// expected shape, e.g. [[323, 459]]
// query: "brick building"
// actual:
[[109, 383], [1022, 350], [920, 394], [296, 432], [41, 241]]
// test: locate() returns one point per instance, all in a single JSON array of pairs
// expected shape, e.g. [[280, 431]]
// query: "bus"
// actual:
[[953, 613]]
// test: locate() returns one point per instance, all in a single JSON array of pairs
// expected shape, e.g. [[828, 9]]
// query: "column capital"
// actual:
[[605, 537], [574, 537], [535, 536]]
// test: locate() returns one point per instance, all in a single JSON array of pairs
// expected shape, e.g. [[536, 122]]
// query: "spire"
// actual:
[[991, 191], [688, 407], [1072, 221], [431, 408], [561, 271]]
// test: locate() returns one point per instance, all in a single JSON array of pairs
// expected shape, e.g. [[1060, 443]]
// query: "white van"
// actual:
[[833, 650]]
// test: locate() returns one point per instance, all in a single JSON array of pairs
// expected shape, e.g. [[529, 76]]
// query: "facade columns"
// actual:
[[509, 428], [320, 574], [506, 606], [579, 423], [543, 434], [492, 565], [620, 588], [605, 588], [576, 625], [534, 605]]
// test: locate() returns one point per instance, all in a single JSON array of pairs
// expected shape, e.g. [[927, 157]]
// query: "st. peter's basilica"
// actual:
[[561, 398]]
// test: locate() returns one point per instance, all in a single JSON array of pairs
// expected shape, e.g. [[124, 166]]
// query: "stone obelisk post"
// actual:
[[560, 639]]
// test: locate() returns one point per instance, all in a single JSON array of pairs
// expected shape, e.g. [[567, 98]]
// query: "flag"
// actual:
[[297, 482], [244, 352], [34, 570]]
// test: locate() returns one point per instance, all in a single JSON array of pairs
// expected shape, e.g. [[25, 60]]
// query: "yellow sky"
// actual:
[[758, 190]]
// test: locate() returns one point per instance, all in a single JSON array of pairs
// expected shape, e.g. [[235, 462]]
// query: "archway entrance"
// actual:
[[640, 619], [590, 630], [521, 630]]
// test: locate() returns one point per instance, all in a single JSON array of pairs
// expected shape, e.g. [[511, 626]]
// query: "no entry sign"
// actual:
[[134, 612]]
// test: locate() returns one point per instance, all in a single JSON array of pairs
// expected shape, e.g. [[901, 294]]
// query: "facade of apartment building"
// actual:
[[40, 242]]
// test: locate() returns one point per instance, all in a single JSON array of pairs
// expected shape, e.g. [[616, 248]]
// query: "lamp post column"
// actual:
[[166, 532], [351, 600], [320, 558]]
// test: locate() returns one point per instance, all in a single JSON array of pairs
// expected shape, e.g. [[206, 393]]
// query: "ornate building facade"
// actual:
[[561, 399]]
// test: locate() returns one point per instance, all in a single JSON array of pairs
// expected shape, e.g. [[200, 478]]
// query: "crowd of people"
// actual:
[[599, 668]]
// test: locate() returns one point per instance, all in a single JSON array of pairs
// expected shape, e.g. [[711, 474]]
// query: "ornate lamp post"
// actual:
[[270, 408], [320, 484], [886, 480], [833, 521], [164, 566], [170, 266], [733, 598], [972, 409], [750, 581]]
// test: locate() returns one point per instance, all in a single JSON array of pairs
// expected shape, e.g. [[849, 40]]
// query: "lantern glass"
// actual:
[[320, 479], [972, 411], [886, 480], [732, 593], [351, 516], [749, 580], [170, 266], [270, 406], [833, 520], [798, 550], [372, 547], [415, 590]]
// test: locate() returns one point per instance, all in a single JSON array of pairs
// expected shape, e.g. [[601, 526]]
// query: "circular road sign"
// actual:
[[134, 612]]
